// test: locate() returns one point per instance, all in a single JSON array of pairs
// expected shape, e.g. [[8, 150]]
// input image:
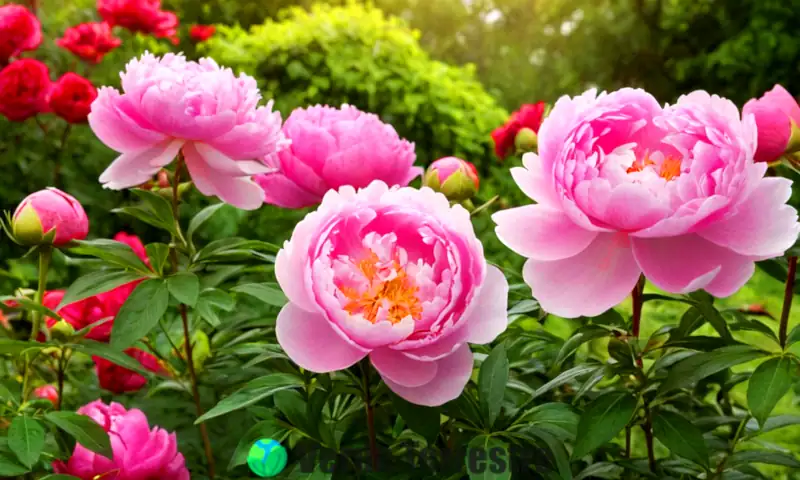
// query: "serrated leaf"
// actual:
[[264, 292], [768, 384], [422, 420], [254, 391], [680, 436], [26, 439], [140, 313], [700, 366], [185, 287], [602, 420], [95, 283], [85, 431], [492, 380], [487, 458]]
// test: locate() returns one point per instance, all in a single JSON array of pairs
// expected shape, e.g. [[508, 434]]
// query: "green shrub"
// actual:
[[357, 55]]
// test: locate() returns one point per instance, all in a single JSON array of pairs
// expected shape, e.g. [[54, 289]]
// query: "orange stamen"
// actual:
[[670, 168], [397, 294]]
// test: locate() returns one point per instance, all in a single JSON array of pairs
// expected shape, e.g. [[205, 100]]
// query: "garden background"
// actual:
[[445, 73]]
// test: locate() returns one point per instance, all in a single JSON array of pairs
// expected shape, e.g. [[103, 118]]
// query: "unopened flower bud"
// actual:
[[526, 140], [62, 330], [162, 179], [457, 179], [49, 217], [47, 392], [201, 349]]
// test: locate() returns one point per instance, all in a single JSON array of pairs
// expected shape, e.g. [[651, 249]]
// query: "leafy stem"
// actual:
[[45, 254], [373, 445], [788, 296], [637, 296]]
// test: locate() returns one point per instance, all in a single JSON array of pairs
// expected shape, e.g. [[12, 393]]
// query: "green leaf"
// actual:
[[85, 431], [154, 210], [24, 303], [26, 439], [772, 423], [488, 458], [59, 476], [600, 470], [16, 347], [9, 467], [768, 384], [264, 429], [210, 300], [104, 350], [95, 283], [185, 287], [794, 336], [700, 366], [140, 313], [703, 302], [492, 380], [602, 420], [254, 391], [525, 306], [559, 419], [422, 420], [227, 249], [769, 457], [202, 217], [583, 335], [565, 377], [557, 450], [158, 254], [264, 292], [680, 436], [113, 252]]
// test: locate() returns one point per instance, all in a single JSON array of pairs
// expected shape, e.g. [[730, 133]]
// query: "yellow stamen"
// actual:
[[398, 294]]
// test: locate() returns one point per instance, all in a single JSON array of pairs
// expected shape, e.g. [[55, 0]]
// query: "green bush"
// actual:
[[357, 55]]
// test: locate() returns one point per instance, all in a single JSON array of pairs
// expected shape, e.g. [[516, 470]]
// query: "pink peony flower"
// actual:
[[778, 119], [624, 187], [50, 210], [394, 274], [170, 105], [332, 147], [139, 452]]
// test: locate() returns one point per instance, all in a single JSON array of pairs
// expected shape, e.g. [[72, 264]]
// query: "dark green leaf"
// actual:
[[680, 436], [488, 458], [745, 457], [700, 366], [422, 420], [768, 384], [96, 282], [603, 419], [772, 423], [264, 292], [26, 439], [557, 450], [492, 380], [16, 347], [600, 470], [154, 210], [140, 313], [210, 300], [85, 431], [565, 377], [559, 419], [201, 217], [104, 350], [113, 252], [583, 335], [255, 390], [525, 306], [185, 287], [158, 254], [703, 303], [9, 467], [59, 476]]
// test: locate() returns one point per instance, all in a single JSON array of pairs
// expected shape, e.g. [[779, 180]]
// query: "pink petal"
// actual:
[[134, 168], [310, 341], [282, 192], [533, 181], [688, 262], [541, 233], [452, 375], [489, 315], [116, 129], [587, 284], [402, 369], [239, 191], [763, 225]]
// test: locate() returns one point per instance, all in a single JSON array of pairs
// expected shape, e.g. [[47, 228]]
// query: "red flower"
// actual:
[[143, 16], [24, 86], [71, 97], [528, 116], [201, 33], [117, 379], [89, 41], [47, 392], [20, 30], [82, 314]]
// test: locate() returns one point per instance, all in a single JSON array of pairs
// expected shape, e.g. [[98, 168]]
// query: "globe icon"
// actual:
[[267, 458]]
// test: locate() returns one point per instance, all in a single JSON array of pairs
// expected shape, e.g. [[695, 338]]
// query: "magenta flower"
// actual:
[[139, 452], [398, 275], [625, 187], [169, 105], [778, 119], [333, 147]]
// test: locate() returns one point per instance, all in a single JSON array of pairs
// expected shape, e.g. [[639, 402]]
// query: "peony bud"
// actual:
[[47, 392], [49, 217], [201, 349], [62, 330], [526, 140], [457, 179], [777, 117]]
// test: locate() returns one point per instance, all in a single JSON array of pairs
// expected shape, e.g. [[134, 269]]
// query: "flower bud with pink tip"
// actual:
[[49, 217], [456, 178], [777, 116]]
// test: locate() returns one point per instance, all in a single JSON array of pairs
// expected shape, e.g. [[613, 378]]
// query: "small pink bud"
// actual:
[[777, 117], [456, 178], [47, 392], [49, 217], [163, 179]]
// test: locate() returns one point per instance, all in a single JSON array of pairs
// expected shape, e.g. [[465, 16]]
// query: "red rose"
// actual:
[[71, 97], [528, 116], [20, 30], [117, 379], [24, 86], [201, 33], [143, 16], [89, 41]]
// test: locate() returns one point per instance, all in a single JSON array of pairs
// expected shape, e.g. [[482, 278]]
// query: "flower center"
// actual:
[[389, 292], [669, 168]]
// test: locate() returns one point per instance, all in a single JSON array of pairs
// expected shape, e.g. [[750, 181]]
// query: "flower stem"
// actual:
[[63, 360], [637, 296], [788, 296], [648, 436], [187, 337], [373, 445], [45, 254]]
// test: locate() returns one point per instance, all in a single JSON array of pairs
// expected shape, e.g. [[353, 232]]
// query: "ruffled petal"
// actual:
[[452, 375], [135, 168]]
